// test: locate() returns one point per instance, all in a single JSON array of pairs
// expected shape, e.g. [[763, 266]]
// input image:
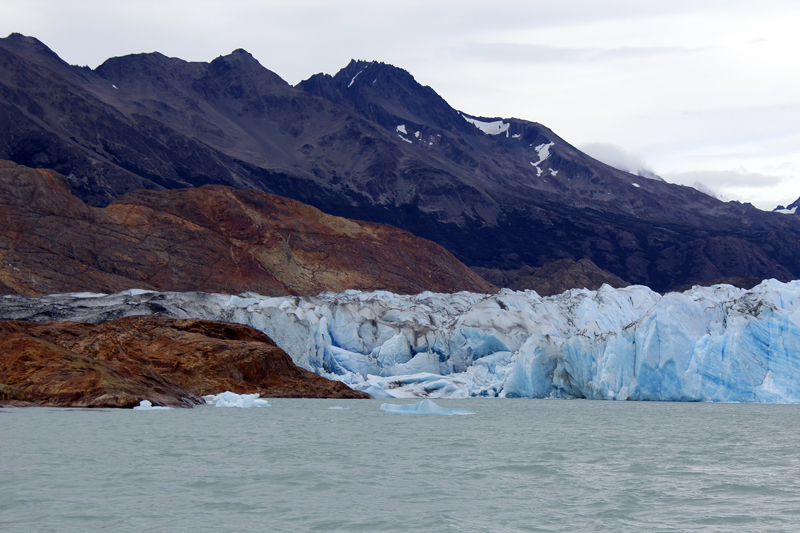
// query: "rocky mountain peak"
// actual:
[[23, 44], [241, 64], [387, 95], [791, 209], [146, 68]]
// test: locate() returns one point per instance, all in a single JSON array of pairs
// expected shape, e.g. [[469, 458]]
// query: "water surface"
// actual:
[[515, 465]]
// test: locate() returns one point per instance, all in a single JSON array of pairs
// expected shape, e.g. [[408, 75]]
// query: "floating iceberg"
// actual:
[[231, 399], [715, 343], [424, 407], [338, 408], [145, 405], [376, 391]]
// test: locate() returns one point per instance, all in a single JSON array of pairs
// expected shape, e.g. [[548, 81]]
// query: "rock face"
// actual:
[[553, 278], [371, 143], [167, 361], [36, 371], [212, 238]]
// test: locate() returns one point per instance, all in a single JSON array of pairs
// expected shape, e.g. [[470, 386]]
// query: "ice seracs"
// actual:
[[715, 343]]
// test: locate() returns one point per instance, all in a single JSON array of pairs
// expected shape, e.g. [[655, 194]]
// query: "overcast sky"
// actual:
[[696, 91]]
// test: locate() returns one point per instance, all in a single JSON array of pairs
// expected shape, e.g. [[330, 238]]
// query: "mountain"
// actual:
[[370, 143], [212, 238], [553, 278], [791, 209]]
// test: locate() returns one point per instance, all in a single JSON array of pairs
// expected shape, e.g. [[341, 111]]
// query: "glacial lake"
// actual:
[[514, 465]]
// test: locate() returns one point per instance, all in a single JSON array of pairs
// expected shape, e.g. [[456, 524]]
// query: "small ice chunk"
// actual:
[[338, 408], [424, 407], [374, 391], [402, 129], [231, 399], [636, 185], [145, 405], [137, 292]]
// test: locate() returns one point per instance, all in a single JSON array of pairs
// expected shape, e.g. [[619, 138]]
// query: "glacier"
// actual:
[[719, 343]]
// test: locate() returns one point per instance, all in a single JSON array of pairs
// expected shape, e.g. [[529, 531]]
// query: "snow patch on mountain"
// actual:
[[354, 78], [489, 128], [790, 209], [543, 151]]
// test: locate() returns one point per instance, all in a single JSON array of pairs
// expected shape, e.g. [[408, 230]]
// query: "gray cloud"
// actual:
[[617, 157], [538, 54], [716, 179]]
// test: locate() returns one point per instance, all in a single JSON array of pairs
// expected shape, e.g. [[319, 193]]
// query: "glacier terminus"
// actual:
[[719, 344]]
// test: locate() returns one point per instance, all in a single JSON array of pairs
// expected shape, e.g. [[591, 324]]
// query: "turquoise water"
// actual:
[[515, 465]]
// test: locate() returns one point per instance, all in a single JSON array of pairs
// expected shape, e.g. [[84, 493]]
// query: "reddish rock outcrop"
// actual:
[[212, 239], [167, 361]]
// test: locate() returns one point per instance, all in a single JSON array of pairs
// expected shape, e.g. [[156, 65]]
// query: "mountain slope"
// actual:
[[370, 143], [212, 238]]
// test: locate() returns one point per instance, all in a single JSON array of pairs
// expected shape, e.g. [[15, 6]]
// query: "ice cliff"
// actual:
[[707, 344]]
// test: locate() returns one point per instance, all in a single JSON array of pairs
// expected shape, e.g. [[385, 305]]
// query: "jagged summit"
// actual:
[[791, 209], [237, 67], [387, 95]]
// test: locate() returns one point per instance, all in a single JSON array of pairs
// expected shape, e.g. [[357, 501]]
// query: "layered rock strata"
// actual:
[[163, 360]]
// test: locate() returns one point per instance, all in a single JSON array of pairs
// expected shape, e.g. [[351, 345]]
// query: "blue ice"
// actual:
[[424, 407]]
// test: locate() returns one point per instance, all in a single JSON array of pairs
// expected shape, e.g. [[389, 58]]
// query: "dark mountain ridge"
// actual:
[[793, 208], [370, 143]]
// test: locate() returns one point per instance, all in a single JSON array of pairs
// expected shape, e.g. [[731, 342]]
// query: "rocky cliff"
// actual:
[[163, 360]]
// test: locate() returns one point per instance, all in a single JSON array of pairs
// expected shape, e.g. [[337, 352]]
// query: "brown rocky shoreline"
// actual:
[[170, 362]]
